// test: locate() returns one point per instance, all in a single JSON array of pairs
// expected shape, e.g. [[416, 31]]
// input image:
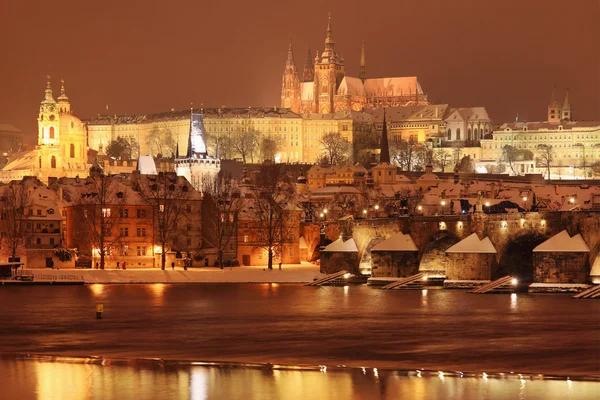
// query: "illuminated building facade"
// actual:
[[324, 87], [61, 149]]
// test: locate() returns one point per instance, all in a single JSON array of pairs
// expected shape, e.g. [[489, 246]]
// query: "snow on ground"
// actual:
[[290, 273], [563, 243], [472, 244]]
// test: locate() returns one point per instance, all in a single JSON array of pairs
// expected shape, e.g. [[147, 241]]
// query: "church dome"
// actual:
[[71, 125]]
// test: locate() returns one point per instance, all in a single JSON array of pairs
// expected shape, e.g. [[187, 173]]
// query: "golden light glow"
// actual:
[[487, 203], [325, 211], [443, 202], [364, 211], [377, 206], [460, 224], [522, 221], [442, 225], [503, 224], [157, 250], [97, 289], [525, 198], [572, 200], [543, 222], [420, 208]]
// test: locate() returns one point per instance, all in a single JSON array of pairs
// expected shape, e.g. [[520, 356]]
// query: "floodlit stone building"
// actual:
[[62, 144]]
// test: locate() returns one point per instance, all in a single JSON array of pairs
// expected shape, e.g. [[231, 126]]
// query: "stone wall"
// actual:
[[339, 261], [561, 267], [470, 266], [394, 263]]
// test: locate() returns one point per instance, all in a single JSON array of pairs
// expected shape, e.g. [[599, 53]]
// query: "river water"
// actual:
[[356, 326]]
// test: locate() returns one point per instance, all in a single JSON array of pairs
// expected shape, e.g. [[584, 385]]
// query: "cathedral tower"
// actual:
[[329, 72], [48, 125], [64, 107], [309, 69], [290, 85], [554, 114], [566, 109]]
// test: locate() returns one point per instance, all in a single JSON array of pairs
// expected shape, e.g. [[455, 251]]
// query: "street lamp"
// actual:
[[443, 206], [525, 203], [365, 213], [325, 214], [572, 200]]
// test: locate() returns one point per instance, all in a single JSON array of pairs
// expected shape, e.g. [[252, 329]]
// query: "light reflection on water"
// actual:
[[45, 380]]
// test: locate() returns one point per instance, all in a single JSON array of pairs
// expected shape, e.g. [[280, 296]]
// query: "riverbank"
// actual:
[[289, 273]]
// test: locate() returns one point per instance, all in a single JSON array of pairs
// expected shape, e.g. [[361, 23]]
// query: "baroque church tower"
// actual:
[[329, 72], [290, 85]]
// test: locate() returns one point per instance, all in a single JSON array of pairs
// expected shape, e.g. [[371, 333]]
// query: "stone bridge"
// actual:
[[513, 235]]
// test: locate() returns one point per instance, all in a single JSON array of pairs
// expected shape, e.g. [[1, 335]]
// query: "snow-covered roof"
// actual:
[[302, 243], [595, 271], [563, 243], [351, 87], [340, 246], [396, 242], [392, 86], [472, 244], [146, 165]]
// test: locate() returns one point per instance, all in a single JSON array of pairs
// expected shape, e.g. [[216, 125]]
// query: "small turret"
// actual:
[[554, 114], [64, 107], [566, 109]]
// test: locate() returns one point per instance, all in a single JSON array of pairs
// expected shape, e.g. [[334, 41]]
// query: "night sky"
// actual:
[[151, 56]]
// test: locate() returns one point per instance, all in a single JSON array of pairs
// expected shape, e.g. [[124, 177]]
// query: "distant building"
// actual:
[[575, 144], [62, 144], [11, 141], [324, 87]]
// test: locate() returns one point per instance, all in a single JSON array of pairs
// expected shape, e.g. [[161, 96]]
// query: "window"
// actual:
[[72, 150], [449, 134], [124, 231], [123, 213], [38, 212], [245, 238], [457, 133], [139, 251], [189, 241], [188, 209], [106, 212], [141, 213], [53, 162], [51, 240], [38, 240], [124, 250], [161, 208], [51, 132], [188, 227]]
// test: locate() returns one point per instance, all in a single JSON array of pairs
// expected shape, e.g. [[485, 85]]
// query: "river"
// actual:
[[356, 326]]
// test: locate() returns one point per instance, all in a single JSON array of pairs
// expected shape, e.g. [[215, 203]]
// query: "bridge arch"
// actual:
[[433, 259], [517, 258]]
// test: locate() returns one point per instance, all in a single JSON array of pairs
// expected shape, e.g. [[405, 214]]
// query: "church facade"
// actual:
[[62, 144], [324, 87]]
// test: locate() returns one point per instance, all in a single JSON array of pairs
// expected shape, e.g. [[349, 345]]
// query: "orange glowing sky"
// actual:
[[151, 56]]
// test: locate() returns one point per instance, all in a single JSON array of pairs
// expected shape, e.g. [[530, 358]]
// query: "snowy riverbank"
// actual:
[[299, 273]]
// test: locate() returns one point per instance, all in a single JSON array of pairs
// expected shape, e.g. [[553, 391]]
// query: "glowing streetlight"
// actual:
[[443, 206], [514, 281], [572, 200], [487, 203], [325, 214], [377, 207], [420, 208], [525, 203], [365, 213], [321, 215]]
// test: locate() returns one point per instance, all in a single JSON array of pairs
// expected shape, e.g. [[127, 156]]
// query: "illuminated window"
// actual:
[[51, 132], [245, 238], [106, 212], [72, 150]]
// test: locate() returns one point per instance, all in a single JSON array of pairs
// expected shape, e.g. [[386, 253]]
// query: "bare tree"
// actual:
[[407, 154], [545, 157], [275, 220], [456, 153], [244, 141], [98, 209], [161, 142], [441, 158], [269, 148], [221, 206], [168, 195], [466, 165], [15, 203], [336, 149]]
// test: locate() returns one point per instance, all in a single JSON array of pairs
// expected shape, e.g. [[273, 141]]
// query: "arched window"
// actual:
[[72, 150], [469, 134], [53, 162], [449, 134], [51, 132], [457, 133], [40, 162], [475, 134]]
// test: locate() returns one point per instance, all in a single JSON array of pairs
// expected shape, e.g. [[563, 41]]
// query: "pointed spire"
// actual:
[[290, 57], [309, 68], [329, 52], [362, 72], [384, 155], [63, 94], [566, 104], [48, 97]]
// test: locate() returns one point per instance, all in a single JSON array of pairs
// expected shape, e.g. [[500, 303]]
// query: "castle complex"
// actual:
[[324, 87]]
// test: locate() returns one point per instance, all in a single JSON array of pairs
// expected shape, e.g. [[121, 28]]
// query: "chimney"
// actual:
[[60, 193]]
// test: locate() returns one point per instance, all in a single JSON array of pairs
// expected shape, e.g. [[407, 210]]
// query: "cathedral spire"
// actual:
[[290, 57], [553, 101], [329, 52], [566, 108], [309, 68], [384, 155], [362, 72], [48, 97]]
